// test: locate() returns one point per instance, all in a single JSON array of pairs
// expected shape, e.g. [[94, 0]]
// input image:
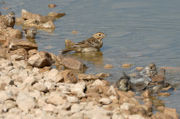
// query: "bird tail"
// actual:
[[69, 44], [125, 76]]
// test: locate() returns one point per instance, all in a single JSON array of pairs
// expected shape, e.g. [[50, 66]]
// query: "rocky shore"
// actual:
[[31, 89]]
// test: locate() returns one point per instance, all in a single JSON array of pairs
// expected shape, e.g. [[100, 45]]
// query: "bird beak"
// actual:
[[105, 35]]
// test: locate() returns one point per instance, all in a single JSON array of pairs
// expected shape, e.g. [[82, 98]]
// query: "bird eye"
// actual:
[[99, 34]]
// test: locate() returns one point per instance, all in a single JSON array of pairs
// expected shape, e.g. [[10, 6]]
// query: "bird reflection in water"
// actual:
[[95, 58]]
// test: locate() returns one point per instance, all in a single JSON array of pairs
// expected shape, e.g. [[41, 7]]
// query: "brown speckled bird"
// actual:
[[8, 19], [91, 44], [124, 83], [30, 33]]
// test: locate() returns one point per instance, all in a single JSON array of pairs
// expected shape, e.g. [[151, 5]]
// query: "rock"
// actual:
[[68, 76], [105, 101], [56, 99], [55, 75], [32, 52], [40, 87], [40, 60], [98, 83], [56, 15], [146, 94], [74, 32], [48, 108], [136, 117], [52, 5], [20, 54], [102, 75], [3, 53], [171, 112], [108, 66], [5, 96], [27, 15], [25, 103], [87, 77], [139, 68], [72, 99], [8, 105], [77, 108], [10, 33], [112, 92], [126, 65], [115, 116], [73, 63], [165, 94], [16, 44], [76, 116], [78, 89]]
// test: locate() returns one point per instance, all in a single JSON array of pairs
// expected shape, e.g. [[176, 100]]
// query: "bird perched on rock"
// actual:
[[149, 70], [123, 83], [30, 33], [8, 19], [91, 44]]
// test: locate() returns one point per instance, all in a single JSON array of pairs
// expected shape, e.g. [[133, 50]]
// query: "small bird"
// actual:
[[91, 44], [149, 70], [123, 83], [30, 33], [8, 19]]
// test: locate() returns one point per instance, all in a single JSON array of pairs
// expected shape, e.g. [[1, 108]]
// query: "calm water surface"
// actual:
[[139, 32]]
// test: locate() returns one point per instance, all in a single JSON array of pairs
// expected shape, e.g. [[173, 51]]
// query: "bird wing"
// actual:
[[90, 42]]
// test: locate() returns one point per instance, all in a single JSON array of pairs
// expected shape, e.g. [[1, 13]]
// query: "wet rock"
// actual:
[[68, 76], [102, 75], [87, 77], [165, 94], [105, 101], [139, 68], [108, 66], [25, 103], [40, 60], [56, 15], [74, 32], [52, 5], [171, 112], [126, 65], [16, 44], [55, 75], [73, 63]]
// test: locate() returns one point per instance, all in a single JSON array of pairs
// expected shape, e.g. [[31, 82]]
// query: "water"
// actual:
[[139, 32]]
